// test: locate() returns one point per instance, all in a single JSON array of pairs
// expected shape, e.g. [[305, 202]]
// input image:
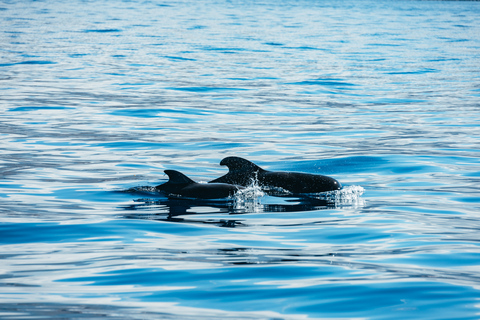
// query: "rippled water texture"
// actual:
[[97, 98]]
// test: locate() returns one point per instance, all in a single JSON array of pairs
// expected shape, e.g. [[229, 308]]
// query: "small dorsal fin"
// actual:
[[177, 177]]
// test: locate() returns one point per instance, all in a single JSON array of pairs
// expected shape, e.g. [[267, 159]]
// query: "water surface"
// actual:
[[98, 98]]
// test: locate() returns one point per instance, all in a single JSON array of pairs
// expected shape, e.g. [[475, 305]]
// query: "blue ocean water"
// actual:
[[97, 98]]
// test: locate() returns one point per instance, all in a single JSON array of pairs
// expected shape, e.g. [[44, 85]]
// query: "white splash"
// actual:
[[347, 196], [248, 199]]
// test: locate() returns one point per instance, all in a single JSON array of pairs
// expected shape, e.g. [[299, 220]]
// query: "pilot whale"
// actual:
[[180, 184], [243, 172]]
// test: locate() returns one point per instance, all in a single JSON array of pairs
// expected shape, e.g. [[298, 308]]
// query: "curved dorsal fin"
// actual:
[[177, 177], [240, 164]]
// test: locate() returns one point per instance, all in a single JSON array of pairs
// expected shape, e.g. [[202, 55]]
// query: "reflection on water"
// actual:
[[249, 200]]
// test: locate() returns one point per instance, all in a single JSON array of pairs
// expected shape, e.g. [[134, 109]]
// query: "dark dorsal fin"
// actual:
[[239, 164], [177, 177]]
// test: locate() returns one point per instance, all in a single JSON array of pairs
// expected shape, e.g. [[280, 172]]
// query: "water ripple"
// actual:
[[97, 101]]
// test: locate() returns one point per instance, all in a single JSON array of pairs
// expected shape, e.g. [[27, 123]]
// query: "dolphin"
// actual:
[[243, 172], [180, 184]]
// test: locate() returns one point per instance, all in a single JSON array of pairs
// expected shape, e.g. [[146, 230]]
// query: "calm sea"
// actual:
[[97, 98]]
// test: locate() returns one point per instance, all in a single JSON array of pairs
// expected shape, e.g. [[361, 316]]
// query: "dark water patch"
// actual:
[[128, 230], [157, 112], [276, 44], [18, 233], [304, 48], [444, 59], [459, 40], [324, 82], [464, 259], [140, 65], [422, 71], [240, 79], [33, 62], [33, 108], [384, 45], [396, 101], [224, 49], [175, 58], [165, 208], [206, 89], [198, 27], [468, 199], [78, 55], [413, 72], [60, 311], [116, 74], [80, 193], [102, 30], [130, 84], [182, 277], [54, 143]]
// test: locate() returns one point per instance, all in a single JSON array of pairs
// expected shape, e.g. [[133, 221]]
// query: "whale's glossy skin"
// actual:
[[243, 172], [181, 185]]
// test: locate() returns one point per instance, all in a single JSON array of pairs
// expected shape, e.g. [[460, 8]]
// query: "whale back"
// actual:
[[210, 190], [297, 182], [243, 172], [181, 185]]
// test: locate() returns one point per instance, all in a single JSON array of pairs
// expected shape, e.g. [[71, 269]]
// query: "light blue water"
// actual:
[[98, 97]]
